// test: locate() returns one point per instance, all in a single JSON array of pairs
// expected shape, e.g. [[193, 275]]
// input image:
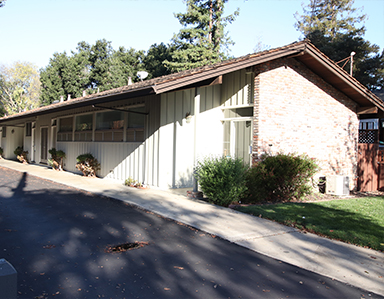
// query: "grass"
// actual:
[[358, 221]]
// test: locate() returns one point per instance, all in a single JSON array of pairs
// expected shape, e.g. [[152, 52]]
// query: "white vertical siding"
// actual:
[[209, 127], [181, 142], [237, 89], [13, 139], [118, 160]]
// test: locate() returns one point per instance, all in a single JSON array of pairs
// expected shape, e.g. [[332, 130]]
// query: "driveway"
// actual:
[[59, 239]]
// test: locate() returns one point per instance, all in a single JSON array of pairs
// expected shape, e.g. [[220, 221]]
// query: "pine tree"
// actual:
[[202, 40], [331, 25], [330, 17]]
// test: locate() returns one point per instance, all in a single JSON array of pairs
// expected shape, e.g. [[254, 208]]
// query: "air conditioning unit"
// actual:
[[337, 185]]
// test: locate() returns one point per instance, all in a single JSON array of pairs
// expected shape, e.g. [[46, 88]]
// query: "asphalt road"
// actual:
[[59, 240]]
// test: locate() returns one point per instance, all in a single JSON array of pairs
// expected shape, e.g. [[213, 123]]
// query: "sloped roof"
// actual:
[[303, 51]]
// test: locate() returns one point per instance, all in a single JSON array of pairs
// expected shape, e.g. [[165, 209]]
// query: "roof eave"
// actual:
[[80, 102], [348, 84]]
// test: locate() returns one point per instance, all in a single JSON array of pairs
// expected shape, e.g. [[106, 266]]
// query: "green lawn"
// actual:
[[358, 221]]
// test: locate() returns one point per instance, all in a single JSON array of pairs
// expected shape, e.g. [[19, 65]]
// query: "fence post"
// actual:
[[8, 280]]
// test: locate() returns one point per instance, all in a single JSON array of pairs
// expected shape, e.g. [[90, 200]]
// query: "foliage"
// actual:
[[1, 151], [130, 182], [91, 68], [202, 40], [281, 177], [19, 87], [330, 17], [358, 221], [21, 154], [87, 164], [331, 26], [2, 2], [57, 161], [154, 60], [221, 179]]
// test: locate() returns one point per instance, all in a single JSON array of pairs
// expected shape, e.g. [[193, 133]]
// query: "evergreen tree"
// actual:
[[155, 58], [330, 17], [331, 26], [202, 40], [91, 68]]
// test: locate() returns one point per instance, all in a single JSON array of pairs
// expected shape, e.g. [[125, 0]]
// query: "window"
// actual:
[[4, 133], [84, 122], [109, 126], [84, 125], [135, 125], [111, 120], [65, 129], [28, 129]]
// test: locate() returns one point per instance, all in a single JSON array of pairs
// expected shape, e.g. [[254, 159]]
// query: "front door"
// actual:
[[44, 145]]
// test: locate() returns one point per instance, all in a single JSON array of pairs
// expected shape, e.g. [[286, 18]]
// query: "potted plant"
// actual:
[[130, 182], [57, 161], [21, 154], [87, 164]]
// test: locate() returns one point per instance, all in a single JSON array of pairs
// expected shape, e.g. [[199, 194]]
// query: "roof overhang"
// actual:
[[303, 51], [79, 103]]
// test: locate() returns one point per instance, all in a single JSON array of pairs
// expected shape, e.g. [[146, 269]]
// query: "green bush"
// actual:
[[57, 159], [281, 177], [87, 164], [222, 180], [1, 151], [21, 154]]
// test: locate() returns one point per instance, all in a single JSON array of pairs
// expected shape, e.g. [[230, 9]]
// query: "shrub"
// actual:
[[1, 152], [282, 177], [21, 154], [57, 161], [87, 164], [221, 179], [130, 182]]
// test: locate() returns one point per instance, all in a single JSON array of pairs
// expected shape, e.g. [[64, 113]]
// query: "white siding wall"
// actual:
[[181, 143], [13, 139], [119, 160], [237, 89]]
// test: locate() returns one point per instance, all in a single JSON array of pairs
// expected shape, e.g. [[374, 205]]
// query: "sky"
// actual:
[[33, 30]]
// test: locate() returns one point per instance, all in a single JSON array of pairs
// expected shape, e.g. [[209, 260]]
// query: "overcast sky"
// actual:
[[33, 30]]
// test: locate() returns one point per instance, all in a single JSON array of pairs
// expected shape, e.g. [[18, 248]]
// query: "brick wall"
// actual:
[[297, 112]]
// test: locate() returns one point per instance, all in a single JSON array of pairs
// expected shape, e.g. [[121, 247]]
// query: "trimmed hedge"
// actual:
[[222, 179], [281, 177]]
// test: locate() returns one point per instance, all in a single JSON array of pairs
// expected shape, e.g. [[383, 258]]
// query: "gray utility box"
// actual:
[[8, 280], [337, 185]]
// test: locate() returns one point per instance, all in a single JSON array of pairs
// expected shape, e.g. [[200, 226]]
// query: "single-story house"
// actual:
[[288, 99]]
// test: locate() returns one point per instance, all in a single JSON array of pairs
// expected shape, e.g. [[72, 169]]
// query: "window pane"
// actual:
[[136, 120], [84, 122], [109, 120], [66, 124], [28, 129]]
